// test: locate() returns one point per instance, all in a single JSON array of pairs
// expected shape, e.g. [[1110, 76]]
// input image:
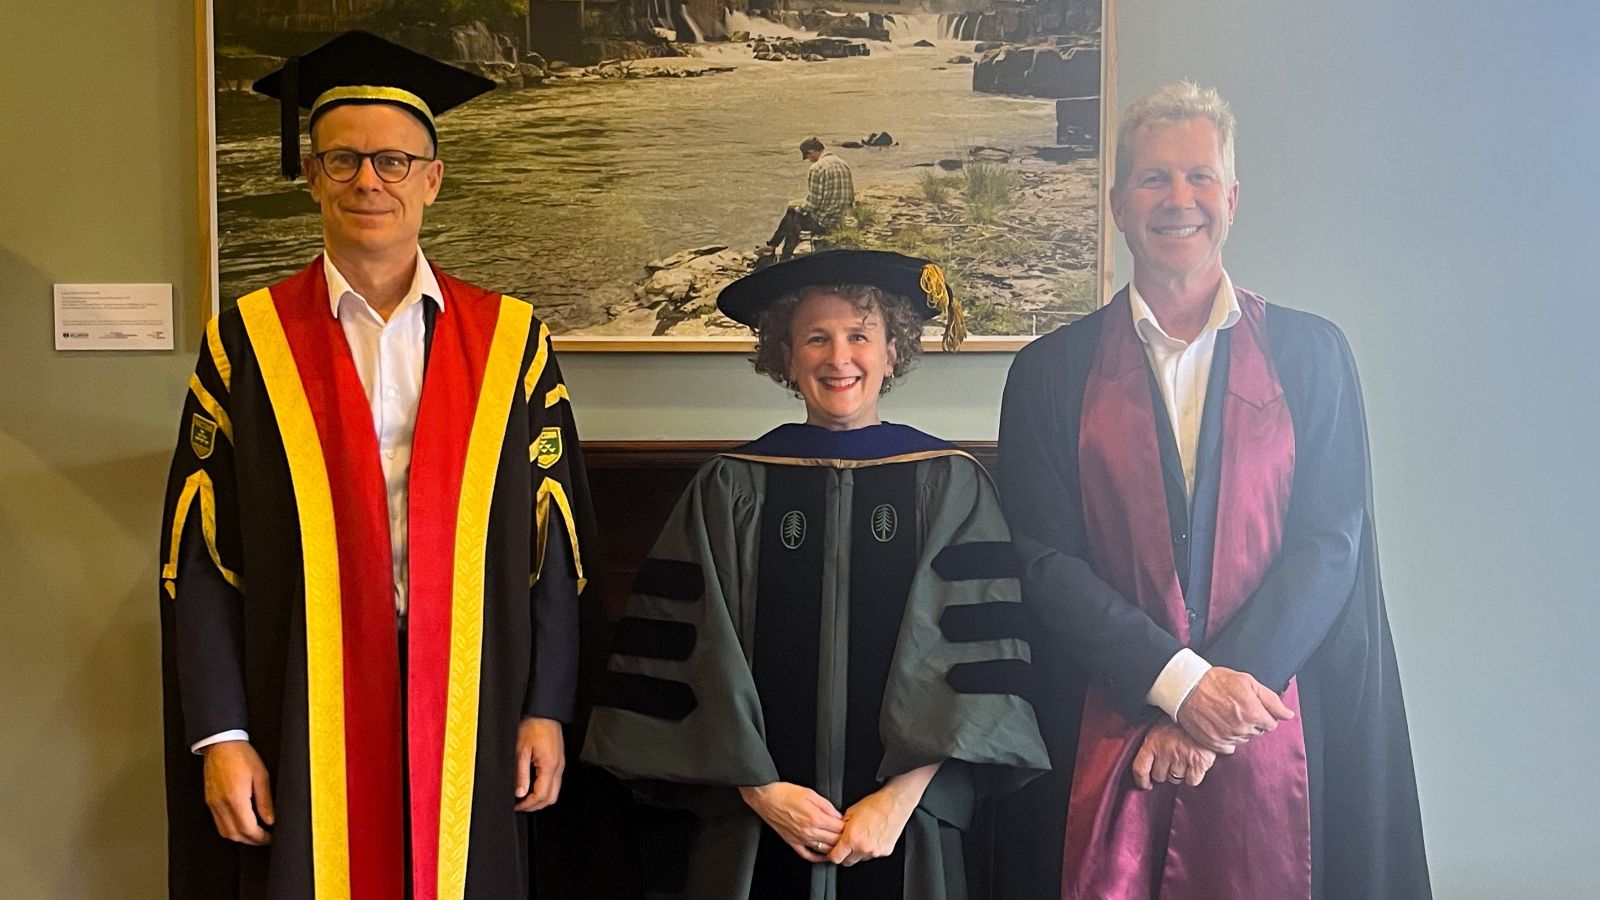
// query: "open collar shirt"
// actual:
[[389, 357], [1183, 373]]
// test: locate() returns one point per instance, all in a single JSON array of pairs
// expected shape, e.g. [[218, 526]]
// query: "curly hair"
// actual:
[[902, 328]]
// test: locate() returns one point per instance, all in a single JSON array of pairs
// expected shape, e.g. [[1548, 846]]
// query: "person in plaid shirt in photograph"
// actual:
[[830, 195]]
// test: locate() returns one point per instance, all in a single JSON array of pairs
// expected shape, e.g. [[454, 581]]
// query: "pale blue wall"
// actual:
[[1425, 174], [1422, 172]]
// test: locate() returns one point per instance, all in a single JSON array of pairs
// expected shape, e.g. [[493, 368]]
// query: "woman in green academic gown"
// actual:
[[823, 657]]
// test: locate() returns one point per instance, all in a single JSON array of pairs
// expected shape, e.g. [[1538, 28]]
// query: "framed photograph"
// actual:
[[638, 155]]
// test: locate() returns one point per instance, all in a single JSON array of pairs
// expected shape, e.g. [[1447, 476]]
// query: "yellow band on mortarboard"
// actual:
[[371, 92]]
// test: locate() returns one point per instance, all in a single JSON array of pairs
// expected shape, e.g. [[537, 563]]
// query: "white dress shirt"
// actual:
[[1183, 372], [388, 357]]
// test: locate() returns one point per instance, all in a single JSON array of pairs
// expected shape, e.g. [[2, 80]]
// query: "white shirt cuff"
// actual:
[[237, 734], [1177, 679]]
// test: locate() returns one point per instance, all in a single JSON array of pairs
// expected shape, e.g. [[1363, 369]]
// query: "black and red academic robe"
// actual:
[[389, 769], [1316, 618]]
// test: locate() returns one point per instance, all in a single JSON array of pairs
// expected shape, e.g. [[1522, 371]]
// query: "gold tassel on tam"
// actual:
[[940, 298]]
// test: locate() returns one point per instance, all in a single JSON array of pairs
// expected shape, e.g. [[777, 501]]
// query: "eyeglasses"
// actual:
[[391, 166]]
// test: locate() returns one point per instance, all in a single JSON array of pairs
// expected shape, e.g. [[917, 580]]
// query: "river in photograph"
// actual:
[[561, 194]]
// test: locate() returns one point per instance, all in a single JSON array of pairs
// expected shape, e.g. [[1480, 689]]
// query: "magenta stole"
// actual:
[[1245, 833]]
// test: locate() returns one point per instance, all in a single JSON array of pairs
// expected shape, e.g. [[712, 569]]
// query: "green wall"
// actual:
[[1424, 173]]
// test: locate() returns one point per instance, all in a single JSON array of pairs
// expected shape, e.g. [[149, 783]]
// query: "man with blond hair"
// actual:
[[1186, 475]]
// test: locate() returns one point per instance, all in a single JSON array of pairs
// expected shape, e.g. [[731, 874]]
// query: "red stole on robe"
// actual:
[[353, 686], [1245, 832]]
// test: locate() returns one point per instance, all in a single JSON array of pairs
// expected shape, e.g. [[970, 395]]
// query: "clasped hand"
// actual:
[[1168, 755], [806, 821], [817, 831], [872, 826], [1227, 708]]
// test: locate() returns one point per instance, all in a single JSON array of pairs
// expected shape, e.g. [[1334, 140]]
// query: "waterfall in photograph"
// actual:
[[908, 28], [736, 22], [696, 31]]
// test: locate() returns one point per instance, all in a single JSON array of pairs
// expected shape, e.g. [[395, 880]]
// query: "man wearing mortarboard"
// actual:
[[372, 541]]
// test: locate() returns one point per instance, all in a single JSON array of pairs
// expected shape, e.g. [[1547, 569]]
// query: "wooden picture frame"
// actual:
[[256, 231]]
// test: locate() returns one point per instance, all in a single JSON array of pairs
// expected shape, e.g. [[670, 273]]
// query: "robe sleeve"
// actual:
[[564, 518], [957, 685], [1078, 613], [1311, 581], [553, 687], [679, 701], [200, 556]]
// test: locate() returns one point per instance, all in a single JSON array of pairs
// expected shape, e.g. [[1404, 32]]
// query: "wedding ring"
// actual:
[[821, 846]]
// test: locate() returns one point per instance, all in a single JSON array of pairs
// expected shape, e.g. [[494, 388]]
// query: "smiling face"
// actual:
[[838, 358], [1177, 203], [367, 216]]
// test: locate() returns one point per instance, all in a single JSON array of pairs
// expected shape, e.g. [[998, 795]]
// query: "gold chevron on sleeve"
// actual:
[[211, 406], [541, 357], [219, 353], [551, 490], [196, 487]]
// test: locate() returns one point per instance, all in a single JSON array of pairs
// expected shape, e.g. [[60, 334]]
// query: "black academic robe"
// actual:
[[1318, 616], [830, 609], [234, 597]]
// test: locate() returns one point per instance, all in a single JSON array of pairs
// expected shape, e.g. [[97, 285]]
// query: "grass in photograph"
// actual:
[[1078, 292], [866, 215], [935, 188], [989, 189]]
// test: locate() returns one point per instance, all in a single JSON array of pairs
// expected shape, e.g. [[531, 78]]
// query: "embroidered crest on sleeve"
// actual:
[[202, 436], [547, 447]]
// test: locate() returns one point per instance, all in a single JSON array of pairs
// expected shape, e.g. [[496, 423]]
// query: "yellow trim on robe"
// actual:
[[556, 395], [541, 356], [330, 832], [372, 92], [211, 406], [198, 484], [552, 489], [541, 530], [851, 463], [466, 608], [219, 353]]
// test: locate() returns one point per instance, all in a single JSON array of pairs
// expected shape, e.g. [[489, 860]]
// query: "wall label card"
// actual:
[[113, 316]]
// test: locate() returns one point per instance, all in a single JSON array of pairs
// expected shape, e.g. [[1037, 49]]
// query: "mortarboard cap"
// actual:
[[896, 273], [358, 67]]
